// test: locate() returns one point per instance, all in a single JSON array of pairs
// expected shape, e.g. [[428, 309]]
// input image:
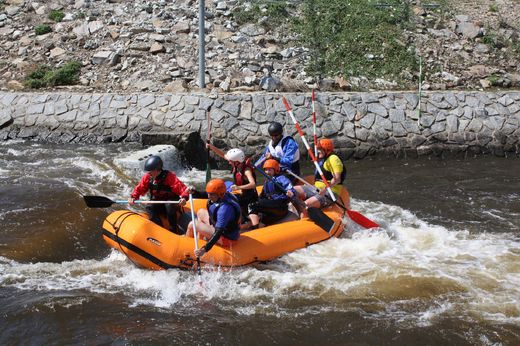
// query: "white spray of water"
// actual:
[[411, 270]]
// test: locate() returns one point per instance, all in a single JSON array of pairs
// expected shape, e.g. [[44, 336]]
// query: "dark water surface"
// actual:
[[443, 269]]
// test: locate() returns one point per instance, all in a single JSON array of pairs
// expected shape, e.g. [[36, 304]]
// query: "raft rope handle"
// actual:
[[123, 218]]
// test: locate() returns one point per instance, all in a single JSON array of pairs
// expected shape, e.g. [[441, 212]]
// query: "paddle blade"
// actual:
[[361, 219], [208, 172], [320, 218], [98, 201]]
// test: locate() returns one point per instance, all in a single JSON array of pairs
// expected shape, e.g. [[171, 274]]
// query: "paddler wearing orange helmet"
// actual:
[[220, 220], [334, 171], [272, 204]]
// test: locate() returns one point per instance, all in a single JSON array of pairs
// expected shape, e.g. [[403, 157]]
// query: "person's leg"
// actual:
[[202, 221], [154, 211], [300, 192], [273, 211], [253, 211], [255, 220], [312, 202], [171, 213], [203, 229]]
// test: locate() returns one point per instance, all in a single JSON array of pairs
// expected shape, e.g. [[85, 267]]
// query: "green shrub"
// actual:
[[357, 38], [44, 76], [42, 29], [56, 15]]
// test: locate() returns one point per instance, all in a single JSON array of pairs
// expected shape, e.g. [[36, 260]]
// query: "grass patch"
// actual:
[[44, 76], [266, 12], [80, 15], [357, 38], [56, 15], [493, 79], [42, 29]]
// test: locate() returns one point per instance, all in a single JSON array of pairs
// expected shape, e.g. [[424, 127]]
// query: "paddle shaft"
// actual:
[[148, 202], [311, 154], [314, 126], [354, 215], [208, 139], [195, 235]]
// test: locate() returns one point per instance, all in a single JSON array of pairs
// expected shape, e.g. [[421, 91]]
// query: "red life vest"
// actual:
[[160, 191], [239, 172]]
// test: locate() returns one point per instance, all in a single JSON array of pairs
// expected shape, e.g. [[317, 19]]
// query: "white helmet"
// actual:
[[235, 154]]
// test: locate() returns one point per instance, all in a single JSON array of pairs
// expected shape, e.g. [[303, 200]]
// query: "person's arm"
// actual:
[[224, 215], [336, 167], [141, 188], [262, 158], [289, 152], [214, 238], [216, 150], [251, 179], [178, 188], [285, 184]]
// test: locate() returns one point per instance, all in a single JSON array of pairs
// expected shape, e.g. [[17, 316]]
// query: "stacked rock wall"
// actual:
[[361, 124]]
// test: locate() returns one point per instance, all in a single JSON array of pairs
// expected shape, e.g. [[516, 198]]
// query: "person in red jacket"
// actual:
[[163, 185]]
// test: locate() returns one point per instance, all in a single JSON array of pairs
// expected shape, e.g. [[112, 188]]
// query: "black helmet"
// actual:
[[275, 129], [153, 162]]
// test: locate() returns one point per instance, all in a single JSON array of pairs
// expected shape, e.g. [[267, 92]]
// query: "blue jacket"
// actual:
[[271, 191]]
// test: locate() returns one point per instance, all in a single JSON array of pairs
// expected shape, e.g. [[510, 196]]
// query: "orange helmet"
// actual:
[[272, 164], [326, 145], [216, 186]]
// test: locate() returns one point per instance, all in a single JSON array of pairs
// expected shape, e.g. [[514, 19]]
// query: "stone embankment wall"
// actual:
[[397, 124]]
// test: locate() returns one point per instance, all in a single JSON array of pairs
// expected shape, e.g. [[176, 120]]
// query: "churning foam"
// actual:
[[410, 270]]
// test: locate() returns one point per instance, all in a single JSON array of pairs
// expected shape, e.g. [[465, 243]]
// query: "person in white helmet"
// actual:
[[244, 177]]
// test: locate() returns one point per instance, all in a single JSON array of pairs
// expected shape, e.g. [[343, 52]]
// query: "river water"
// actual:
[[444, 268]]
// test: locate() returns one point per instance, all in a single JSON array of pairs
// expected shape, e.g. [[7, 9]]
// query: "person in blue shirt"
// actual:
[[283, 149], [273, 202], [220, 220]]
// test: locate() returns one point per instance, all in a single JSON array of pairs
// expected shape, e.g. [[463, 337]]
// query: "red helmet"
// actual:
[[272, 164], [216, 186], [326, 145]]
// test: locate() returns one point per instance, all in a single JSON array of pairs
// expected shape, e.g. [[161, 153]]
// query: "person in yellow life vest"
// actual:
[[334, 171]]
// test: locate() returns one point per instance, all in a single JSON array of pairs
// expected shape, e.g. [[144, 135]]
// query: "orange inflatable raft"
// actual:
[[152, 246]]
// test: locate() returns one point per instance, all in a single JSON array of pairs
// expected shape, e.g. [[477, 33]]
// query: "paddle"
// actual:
[[311, 154], [195, 236], [208, 139], [104, 202], [315, 137], [315, 214], [355, 216]]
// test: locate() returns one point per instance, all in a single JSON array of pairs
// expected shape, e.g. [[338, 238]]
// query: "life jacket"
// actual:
[[270, 188], [328, 175], [277, 151], [239, 172], [213, 208], [159, 190], [240, 177]]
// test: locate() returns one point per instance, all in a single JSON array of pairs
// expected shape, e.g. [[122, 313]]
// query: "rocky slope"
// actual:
[[139, 45]]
